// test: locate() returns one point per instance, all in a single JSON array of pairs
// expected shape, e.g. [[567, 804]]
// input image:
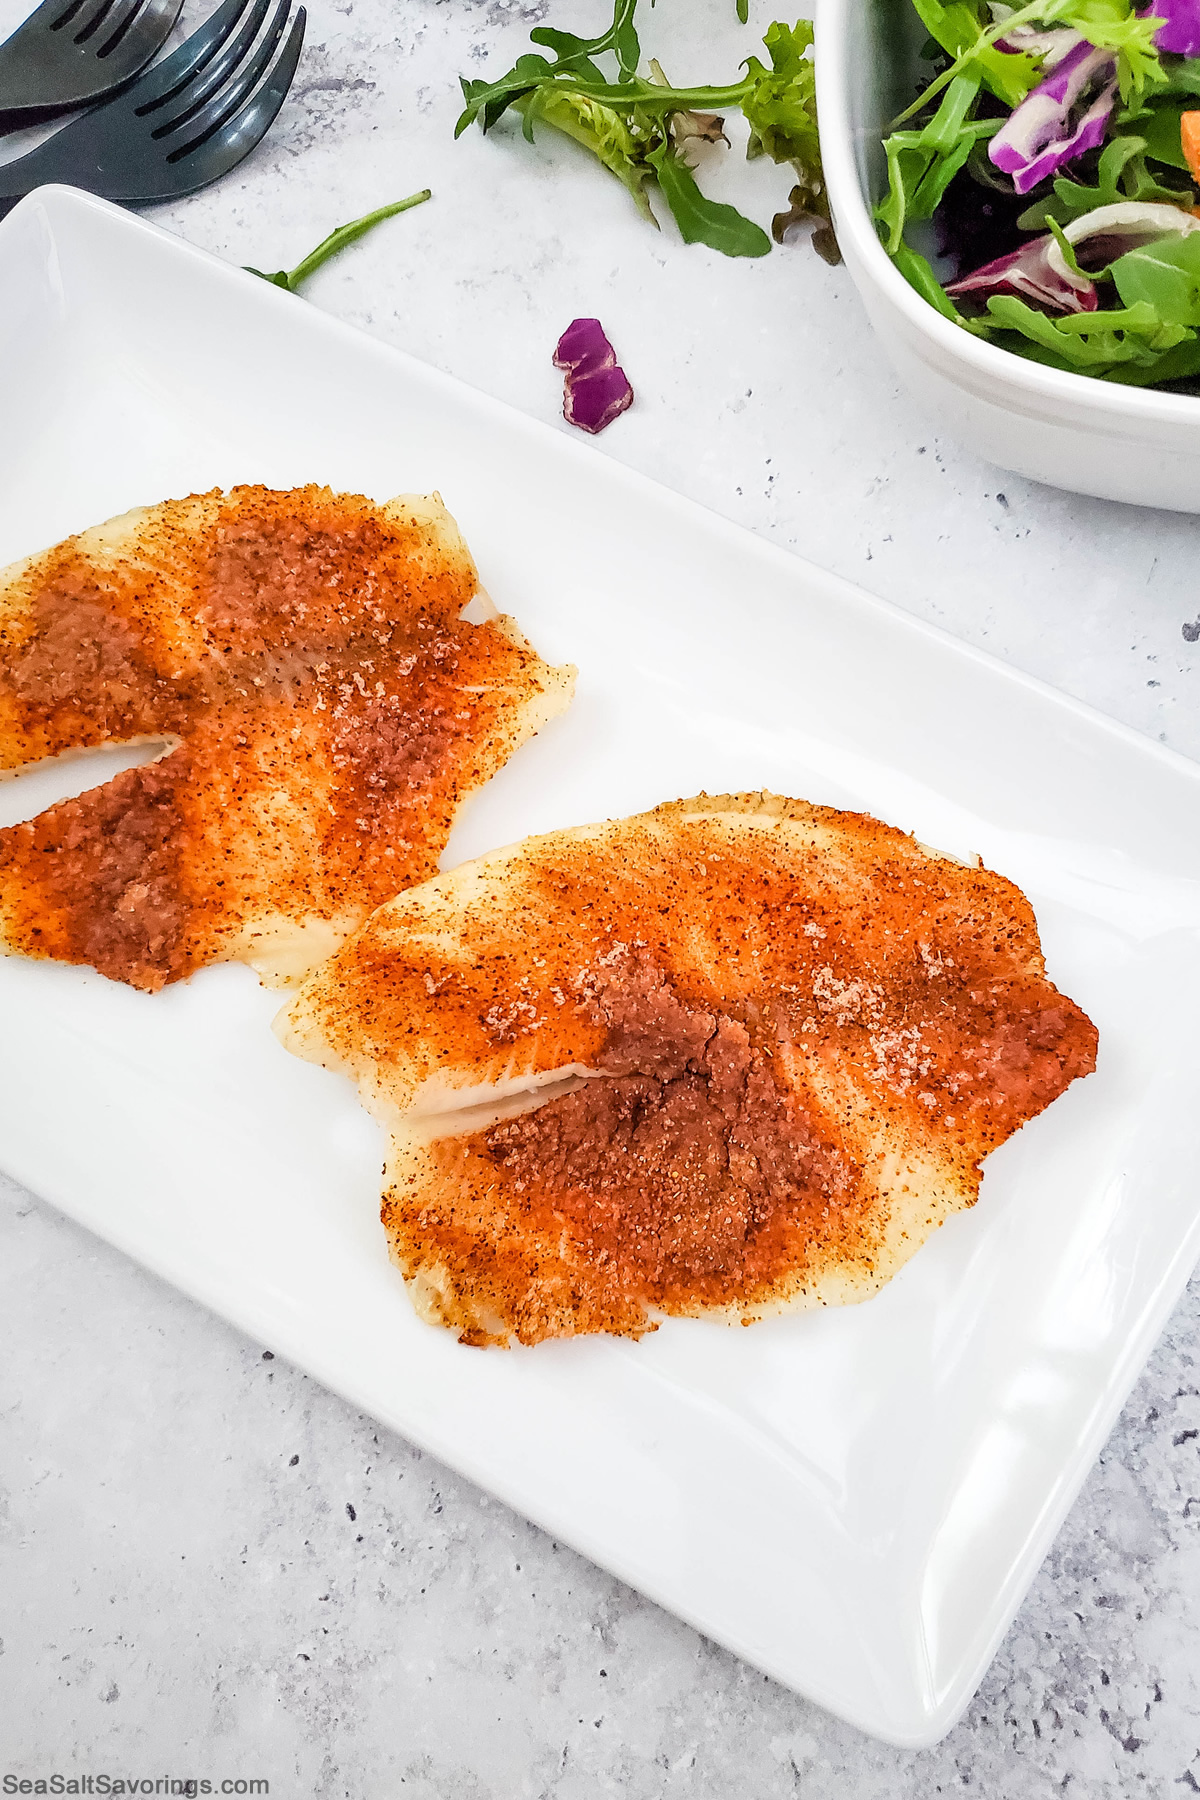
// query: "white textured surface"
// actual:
[[164, 1561]]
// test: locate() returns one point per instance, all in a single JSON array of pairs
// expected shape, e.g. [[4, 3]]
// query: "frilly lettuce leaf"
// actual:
[[600, 129], [780, 103], [1113, 25], [780, 107]]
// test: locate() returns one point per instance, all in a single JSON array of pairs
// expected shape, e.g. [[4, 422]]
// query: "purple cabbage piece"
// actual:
[[1030, 275], [1179, 33], [596, 390], [1038, 137], [595, 400], [584, 346]]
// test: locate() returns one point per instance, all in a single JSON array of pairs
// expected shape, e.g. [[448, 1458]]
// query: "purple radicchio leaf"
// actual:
[[1100, 236], [596, 390], [1030, 275], [1179, 33], [1039, 271], [1039, 137]]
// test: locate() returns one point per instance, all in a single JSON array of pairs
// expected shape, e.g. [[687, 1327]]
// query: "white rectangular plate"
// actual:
[[854, 1501]]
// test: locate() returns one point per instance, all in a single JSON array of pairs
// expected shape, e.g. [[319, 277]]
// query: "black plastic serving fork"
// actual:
[[71, 52], [185, 122]]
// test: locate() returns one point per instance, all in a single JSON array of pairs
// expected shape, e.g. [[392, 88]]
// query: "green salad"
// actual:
[[1042, 185]]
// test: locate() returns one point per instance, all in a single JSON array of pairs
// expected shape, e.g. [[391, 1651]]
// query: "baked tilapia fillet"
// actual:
[[324, 708], [730, 1057]]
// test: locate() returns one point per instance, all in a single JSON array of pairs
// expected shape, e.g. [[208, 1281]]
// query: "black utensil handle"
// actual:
[[20, 118]]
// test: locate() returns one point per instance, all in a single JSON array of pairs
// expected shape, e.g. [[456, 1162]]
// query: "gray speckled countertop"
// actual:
[[211, 1567]]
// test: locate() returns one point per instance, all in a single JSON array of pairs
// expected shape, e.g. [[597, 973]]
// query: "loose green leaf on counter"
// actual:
[[701, 220], [643, 130], [336, 241]]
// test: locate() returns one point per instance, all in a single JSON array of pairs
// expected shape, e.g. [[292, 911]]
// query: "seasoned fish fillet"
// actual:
[[732, 1056], [326, 710]]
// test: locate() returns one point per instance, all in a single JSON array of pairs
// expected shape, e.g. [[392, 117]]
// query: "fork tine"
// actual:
[[55, 14], [72, 53], [168, 76], [120, 24], [93, 23], [200, 122], [147, 26], [196, 165], [190, 96], [116, 22]]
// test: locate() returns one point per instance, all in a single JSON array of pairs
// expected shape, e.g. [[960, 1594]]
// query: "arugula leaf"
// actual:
[[1165, 276], [488, 101], [918, 273], [621, 38], [1093, 341], [1182, 75], [957, 26], [922, 164], [576, 72], [1067, 250], [1158, 126], [700, 220], [1179, 364], [338, 240]]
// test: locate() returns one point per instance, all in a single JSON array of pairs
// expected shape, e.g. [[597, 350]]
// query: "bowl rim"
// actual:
[[855, 227]]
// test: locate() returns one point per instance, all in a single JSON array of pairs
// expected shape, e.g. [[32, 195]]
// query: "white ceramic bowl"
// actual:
[[1092, 436]]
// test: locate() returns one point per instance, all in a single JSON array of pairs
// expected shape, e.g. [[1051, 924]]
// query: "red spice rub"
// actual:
[[330, 708], [692, 1174], [804, 1033]]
